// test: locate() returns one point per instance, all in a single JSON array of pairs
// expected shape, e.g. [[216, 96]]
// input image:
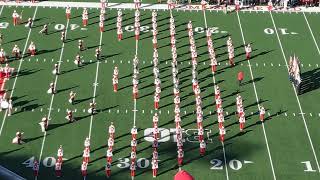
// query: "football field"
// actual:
[[286, 146]]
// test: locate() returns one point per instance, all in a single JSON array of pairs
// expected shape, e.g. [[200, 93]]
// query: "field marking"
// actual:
[[297, 98], [314, 39], [164, 7], [200, 64], [52, 97], [18, 70], [95, 86], [257, 99], [214, 82]]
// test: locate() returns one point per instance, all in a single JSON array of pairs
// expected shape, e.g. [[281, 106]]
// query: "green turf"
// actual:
[[288, 141]]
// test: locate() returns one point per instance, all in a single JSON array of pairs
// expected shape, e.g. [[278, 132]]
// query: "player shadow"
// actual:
[[310, 81], [95, 46], [14, 41], [23, 102], [78, 101], [44, 51], [27, 140], [25, 72], [54, 126], [78, 118], [11, 151], [67, 89], [239, 134], [104, 57]]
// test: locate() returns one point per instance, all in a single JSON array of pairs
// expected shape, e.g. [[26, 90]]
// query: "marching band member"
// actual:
[[155, 119], [132, 169], [72, 96], [16, 51], [108, 169], [44, 124], [86, 155], [44, 30], [270, 5], [202, 147], [115, 83], [51, 89], [203, 4], [135, 91], [77, 60], [110, 143], [60, 154], [220, 120], [98, 53], [133, 156], [180, 157], [222, 133], [134, 145], [101, 26], [69, 116], [242, 121], [119, 33], [2, 56], [87, 143], [18, 138], [63, 36], [112, 130], [92, 108], [154, 163], [81, 45], [10, 106], [213, 65], [85, 17], [32, 48], [248, 51], [68, 12], [109, 155], [55, 69], [15, 17], [57, 168], [134, 132], [262, 113], [84, 169], [29, 23], [35, 168], [156, 101]]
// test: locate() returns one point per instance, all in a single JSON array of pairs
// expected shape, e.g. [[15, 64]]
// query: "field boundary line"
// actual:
[[257, 99], [314, 39], [18, 70], [52, 97], [95, 85], [297, 98], [145, 6], [214, 83]]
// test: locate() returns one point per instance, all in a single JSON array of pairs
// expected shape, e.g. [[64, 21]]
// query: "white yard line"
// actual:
[[297, 98], [314, 39], [257, 99], [18, 70], [214, 82], [1, 10], [95, 86], [52, 97]]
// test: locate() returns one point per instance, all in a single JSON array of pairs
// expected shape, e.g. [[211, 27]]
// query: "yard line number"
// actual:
[[217, 164], [46, 162]]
